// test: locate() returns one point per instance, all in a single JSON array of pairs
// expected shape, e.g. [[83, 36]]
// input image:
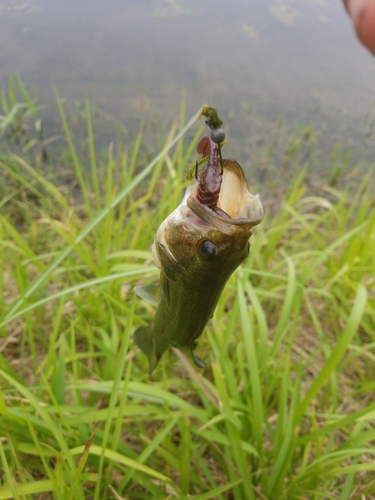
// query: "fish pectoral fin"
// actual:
[[198, 361], [150, 293], [143, 339]]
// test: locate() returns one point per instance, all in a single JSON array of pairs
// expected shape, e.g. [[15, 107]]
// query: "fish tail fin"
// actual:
[[143, 339]]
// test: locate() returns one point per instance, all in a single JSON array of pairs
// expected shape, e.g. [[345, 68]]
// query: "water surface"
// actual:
[[296, 62]]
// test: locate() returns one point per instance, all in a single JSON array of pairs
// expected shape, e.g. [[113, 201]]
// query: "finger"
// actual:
[[362, 13]]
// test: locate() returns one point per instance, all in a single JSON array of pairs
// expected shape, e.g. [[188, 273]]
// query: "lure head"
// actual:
[[195, 237]]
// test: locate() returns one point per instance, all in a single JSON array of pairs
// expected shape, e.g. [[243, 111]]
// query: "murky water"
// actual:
[[257, 61]]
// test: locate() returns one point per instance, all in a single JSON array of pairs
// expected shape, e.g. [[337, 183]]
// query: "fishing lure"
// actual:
[[211, 178], [215, 124]]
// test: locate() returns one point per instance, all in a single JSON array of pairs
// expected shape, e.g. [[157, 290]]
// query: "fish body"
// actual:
[[197, 248]]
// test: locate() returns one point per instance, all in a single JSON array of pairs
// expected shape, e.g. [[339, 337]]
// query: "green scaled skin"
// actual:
[[196, 249]]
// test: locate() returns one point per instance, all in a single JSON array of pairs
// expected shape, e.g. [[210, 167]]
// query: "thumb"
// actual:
[[362, 13]]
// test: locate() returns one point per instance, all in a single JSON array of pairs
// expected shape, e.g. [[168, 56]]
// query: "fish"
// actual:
[[197, 248]]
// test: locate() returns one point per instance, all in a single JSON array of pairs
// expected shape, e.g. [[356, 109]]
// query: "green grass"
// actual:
[[285, 408]]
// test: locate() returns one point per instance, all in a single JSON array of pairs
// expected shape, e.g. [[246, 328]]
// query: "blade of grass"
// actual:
[[8, 474], [80, 286], [32, 488], [115, 393], [94, 168], [251, 353], [42, 180], [121, 459], [76, 162], [214, 492], [337, 352]]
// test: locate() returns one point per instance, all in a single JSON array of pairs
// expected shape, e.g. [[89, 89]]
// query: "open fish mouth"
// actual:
[[237, 206]]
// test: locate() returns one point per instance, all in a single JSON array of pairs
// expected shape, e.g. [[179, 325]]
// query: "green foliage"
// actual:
[[20, 122], [285, 408]]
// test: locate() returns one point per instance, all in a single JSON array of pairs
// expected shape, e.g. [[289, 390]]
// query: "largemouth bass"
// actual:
[[197, 248]]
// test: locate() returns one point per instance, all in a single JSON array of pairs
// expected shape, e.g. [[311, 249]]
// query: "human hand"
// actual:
[[362, 13]]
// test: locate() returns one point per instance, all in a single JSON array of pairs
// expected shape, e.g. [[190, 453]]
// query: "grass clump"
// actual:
[[285, 408]]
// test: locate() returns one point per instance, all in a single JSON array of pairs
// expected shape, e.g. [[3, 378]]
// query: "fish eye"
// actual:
[[207, 250]]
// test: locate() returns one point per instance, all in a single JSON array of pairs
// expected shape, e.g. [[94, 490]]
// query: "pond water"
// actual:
[[258, 61]]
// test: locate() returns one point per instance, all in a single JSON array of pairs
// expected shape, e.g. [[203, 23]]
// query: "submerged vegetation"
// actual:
[[285, 408]]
